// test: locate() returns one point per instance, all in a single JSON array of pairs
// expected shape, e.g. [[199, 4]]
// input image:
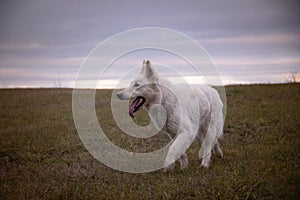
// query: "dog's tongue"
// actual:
[[131, 108]]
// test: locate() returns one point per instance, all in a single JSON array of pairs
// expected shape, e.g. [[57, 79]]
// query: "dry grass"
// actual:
[[42, 156]]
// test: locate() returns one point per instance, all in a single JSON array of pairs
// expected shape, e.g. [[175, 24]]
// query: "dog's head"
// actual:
[[143, 89]]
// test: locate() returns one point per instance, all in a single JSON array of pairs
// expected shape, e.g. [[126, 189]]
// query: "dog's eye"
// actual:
[[136, 85]]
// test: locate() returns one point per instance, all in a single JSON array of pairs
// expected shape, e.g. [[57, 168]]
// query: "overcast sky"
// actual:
[[43, 43]]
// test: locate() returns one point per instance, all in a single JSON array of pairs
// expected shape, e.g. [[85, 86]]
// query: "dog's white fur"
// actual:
[[186, 110]]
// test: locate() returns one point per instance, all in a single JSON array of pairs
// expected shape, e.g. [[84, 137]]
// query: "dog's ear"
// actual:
[[148, 71]]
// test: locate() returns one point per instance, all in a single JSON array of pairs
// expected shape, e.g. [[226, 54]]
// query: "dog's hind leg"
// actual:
[[209, 143], [214, 131], [207, 154]]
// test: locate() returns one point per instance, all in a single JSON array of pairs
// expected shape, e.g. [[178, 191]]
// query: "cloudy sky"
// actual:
[[43, 43]]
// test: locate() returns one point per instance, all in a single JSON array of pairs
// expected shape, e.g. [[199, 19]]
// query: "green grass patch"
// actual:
[[42, 156]]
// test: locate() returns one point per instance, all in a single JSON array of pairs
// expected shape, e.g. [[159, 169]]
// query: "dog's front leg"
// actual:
[[178, 148]]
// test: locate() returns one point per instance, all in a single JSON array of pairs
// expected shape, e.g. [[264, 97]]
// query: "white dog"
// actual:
[[189, 112]]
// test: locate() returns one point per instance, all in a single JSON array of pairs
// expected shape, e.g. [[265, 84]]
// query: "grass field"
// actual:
[[42, 156]]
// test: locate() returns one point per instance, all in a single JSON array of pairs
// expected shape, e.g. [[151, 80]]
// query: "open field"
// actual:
[[42, 156]]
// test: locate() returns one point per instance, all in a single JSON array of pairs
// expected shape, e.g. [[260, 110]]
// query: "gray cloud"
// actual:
[[50, 38]]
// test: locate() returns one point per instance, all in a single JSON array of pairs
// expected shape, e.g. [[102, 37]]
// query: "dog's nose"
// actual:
[[119, 95]]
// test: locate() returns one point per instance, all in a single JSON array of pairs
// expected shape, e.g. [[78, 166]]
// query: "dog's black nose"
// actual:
[[119, 95]]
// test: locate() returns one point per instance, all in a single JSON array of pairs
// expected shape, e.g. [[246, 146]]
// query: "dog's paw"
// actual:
[[169, 168], [205, 163]]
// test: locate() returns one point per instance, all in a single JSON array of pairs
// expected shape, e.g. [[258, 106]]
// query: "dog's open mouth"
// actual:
[[136, 105]]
